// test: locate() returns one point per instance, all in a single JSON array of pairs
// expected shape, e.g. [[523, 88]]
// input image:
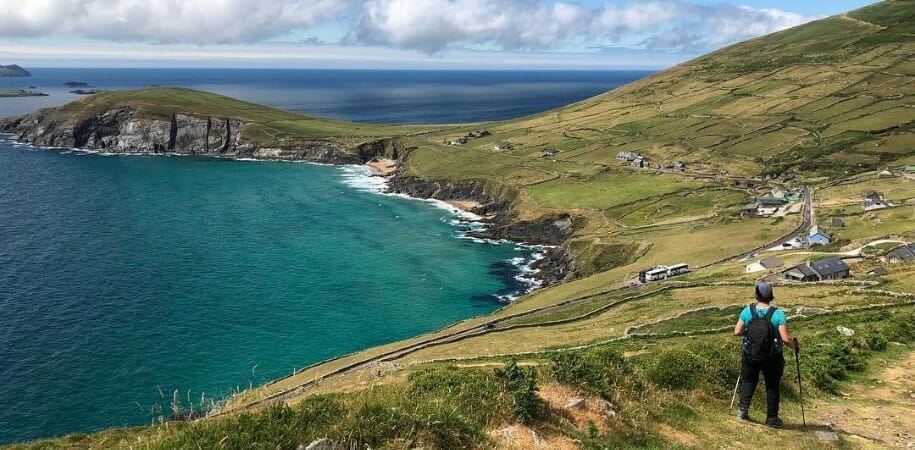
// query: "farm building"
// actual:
[[779, 193], [549, 151], [873, 200], [903, 253], [744, 184], [769, 263], [885, 174], [627, 156], [879, 271], [767, 200], [831, 269], [801, 272], [752, 208], [640, 162], [817, 237]]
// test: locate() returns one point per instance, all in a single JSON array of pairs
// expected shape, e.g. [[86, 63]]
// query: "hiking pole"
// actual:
[[734, 397], [800, 389]]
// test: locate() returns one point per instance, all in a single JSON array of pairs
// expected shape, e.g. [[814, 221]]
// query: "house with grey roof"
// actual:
[[903, 253], [873, 200], [801, 272], [831, 269], [769, 263]]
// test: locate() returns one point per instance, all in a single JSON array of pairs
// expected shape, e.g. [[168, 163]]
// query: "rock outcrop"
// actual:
[[123, 130], [558, 264]]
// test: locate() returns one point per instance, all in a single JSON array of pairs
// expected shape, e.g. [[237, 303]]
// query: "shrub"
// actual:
[[677, 369], [720, 362], [876, 342], [599, 369], [480, 394], [522, 383]]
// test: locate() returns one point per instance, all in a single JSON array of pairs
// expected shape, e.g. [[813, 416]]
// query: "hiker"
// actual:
[[765, 333]]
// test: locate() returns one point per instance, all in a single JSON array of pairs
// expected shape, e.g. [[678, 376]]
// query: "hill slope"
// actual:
[[13, 70]]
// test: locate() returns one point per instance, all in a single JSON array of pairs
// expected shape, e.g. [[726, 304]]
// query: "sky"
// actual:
[[388, 34]]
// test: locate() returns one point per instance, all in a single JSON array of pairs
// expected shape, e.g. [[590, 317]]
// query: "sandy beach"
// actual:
[[383, 167]]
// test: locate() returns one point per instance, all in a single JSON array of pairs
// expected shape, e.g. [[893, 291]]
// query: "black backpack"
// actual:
[[760, 336]]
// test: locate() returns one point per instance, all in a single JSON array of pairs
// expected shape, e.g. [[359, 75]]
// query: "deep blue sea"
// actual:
[[415, 96], [126, 278]]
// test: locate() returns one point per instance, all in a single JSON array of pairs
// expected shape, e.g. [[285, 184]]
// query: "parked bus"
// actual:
[[656, 274], [677, 269]]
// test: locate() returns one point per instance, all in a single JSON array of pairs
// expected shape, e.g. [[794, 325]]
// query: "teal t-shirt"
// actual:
[[778, 319]]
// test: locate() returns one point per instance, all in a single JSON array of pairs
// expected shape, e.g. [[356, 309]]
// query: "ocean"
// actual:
[[124, 279], [415, 96]]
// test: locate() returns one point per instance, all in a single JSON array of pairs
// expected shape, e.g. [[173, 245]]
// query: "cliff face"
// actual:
[[558, 263], [121, 130]]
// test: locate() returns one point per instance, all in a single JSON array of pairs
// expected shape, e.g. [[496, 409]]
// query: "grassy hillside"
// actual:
[[829, 104], [822, 101]]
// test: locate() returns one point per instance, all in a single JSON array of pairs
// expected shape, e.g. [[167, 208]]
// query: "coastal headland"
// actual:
[[13, 70]]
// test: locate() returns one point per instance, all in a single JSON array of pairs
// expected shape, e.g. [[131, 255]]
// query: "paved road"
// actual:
[[799, 233]]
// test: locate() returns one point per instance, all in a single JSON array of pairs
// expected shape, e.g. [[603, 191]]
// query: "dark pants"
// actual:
[[772, 370]]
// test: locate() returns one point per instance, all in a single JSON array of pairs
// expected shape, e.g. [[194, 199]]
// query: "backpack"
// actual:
[[760, 337]]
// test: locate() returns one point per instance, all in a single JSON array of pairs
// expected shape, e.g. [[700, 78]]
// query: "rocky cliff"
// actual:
[[555, 231], [122, 130]]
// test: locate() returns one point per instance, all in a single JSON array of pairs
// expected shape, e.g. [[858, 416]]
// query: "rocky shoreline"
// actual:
[[123, 131]]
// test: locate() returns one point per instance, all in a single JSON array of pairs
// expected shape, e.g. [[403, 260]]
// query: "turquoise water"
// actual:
[[123, 279]]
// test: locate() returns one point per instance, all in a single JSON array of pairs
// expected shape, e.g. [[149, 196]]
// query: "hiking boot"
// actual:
[[743, 414], [775, 422]]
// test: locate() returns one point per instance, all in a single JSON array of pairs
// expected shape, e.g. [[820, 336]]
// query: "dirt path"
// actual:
[[881, 409], [862, 22]]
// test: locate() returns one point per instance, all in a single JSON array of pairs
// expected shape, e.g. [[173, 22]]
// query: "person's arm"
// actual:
[[787, 338], [741, 324]]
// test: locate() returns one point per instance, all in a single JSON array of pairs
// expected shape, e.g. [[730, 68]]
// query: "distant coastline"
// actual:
[[13, 93]]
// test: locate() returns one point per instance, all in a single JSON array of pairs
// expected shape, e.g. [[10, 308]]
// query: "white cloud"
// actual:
[[703, 28], [430, 26], [433, 25], [165, 21]]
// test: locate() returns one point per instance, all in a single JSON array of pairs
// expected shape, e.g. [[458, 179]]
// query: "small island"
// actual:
[[87, 91], [77, 84], [13, 71], [8, 93]]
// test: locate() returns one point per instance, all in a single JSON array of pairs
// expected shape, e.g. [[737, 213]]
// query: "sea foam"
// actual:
[[467, 225]]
